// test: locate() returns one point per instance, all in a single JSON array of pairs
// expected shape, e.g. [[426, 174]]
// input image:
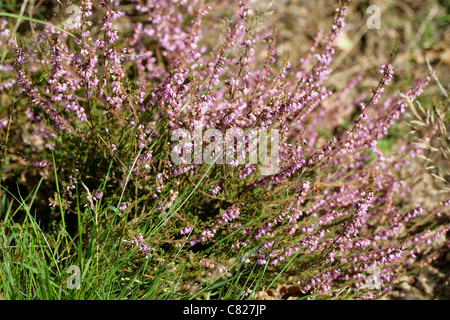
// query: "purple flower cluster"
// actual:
[[143, 248]]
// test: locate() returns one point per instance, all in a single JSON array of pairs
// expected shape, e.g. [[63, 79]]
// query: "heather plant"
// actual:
[[88, 116]]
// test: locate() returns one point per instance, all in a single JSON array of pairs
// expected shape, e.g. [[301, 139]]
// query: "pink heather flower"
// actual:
[[216, 189], [261, 261], [389, 72], [143, 248], [228, 215], [124, 205], [98, 195], [185, 230], [338, 221], [205, 235], [418, 89], [138, 240], [19, 55]]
